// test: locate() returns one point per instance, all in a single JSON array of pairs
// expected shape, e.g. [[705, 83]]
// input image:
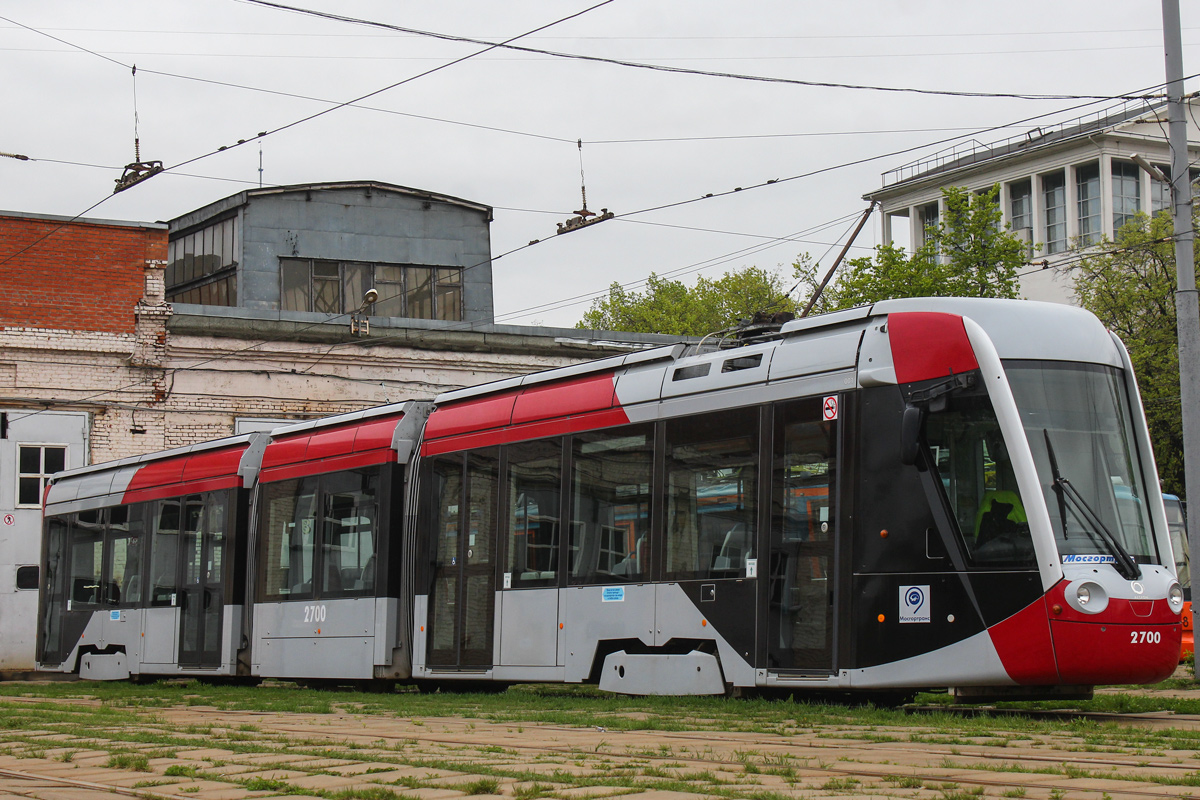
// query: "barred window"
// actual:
[[337, 287]]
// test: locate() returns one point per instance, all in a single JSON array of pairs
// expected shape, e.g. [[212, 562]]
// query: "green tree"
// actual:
[[668, 306], [969, 253], [1130, 285]]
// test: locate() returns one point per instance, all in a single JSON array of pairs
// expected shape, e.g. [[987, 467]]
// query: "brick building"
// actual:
[[264, 289]]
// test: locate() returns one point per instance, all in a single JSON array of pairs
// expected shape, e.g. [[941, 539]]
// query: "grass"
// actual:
[[109, 718], [137, 762]]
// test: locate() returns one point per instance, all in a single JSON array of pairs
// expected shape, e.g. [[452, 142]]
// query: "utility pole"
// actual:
[[1187, 304]]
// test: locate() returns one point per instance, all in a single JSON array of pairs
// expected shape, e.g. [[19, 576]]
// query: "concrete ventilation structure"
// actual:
[[121, 338], [1059, 186]]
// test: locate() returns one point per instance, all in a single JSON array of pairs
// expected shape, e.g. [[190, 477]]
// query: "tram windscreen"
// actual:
[[971, 460], [1085, 412]]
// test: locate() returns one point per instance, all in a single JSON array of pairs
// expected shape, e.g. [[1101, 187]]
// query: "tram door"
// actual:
[[803, 519], [202, 580], [464, 585]]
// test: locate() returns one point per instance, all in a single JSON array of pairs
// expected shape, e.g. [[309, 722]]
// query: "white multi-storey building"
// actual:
[[1061, 186]]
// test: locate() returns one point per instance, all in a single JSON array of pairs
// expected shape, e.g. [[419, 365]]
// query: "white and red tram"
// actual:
[[920, 493]]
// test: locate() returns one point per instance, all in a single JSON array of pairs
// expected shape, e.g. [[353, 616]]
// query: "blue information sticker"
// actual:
[[613, 594], [115, 616]]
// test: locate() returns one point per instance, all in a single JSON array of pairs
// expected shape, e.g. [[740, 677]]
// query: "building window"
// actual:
[[1054, 201], [337, 287], [1020, 210], [1160, 192], [928, 215], [1087, 202], [202, 265], [1127, 192], [36, 463]]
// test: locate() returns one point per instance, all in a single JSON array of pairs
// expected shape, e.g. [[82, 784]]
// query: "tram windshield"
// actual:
[[971, 461], [1085, 413]]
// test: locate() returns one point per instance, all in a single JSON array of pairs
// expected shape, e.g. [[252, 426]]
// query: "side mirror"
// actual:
[[910, 434]]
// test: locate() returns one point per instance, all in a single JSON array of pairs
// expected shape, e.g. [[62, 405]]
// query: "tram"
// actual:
[[921, 493]]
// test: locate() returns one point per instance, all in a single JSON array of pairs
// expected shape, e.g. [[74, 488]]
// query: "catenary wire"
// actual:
[[310, 117], [492, 259], [683, 70]]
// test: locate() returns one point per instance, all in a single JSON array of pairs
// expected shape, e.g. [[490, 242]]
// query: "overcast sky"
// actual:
[[501, 128]]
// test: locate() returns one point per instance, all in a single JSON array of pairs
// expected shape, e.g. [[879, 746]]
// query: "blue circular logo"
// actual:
[[915, 598]]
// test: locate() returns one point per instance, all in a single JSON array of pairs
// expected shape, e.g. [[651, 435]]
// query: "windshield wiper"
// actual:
[[1123, 562]]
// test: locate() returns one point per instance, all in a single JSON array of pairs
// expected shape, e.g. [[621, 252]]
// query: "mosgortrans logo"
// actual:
[[1092, 558]]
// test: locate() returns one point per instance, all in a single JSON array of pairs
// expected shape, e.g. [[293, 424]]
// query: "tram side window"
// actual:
[[350, 504], [712, 479], [164, 553], [611, 472], [803, 527], [534, 473], [54, 592], [972, 462], [318, 536], [447, 482], [287, 533], [124, 556], [87, 559], [802, 502]]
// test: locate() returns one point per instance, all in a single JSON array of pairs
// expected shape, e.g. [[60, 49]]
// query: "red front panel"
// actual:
[[1025, 647], [1131, 641], [1101, 653], [1048, 642], [929, 345]]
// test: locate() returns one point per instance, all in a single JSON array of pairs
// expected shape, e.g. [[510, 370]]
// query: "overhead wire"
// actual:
[[682, 70], [487, 47], [1025, 34], [310, 116], [694, 267], [517, 249]]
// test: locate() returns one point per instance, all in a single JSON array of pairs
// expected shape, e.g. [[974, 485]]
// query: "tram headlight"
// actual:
[[1175, 598], [1087, 597]]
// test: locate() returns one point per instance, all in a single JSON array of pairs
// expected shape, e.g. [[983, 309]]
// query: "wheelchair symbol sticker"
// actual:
[[914, 603]]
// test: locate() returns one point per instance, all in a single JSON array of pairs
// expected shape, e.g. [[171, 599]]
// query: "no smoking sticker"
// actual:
[[829, 409]]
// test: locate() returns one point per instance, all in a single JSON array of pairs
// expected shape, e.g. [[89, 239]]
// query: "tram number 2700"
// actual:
[[317, 614], [1145, 637]]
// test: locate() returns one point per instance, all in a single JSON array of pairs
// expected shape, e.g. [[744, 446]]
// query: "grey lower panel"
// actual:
[[333, 657], [315, 639], [162, 631], [653, 674], [529, 627], [597, 613]]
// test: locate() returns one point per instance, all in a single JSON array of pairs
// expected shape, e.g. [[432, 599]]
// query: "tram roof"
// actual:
[[158, 455], [1020, 329]]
